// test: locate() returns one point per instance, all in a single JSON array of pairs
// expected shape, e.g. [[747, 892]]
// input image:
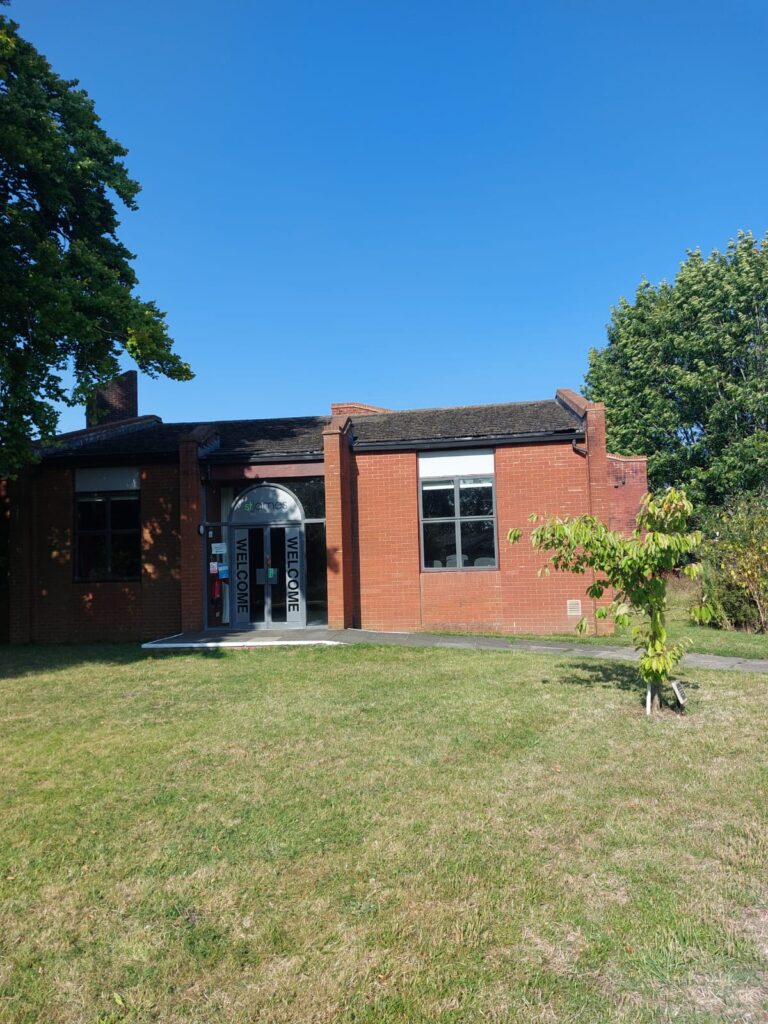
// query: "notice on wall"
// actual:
[[223, 571], [219, 548], [213, 568]]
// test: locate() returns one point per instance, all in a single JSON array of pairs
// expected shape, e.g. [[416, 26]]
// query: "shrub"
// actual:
[[735, 561]]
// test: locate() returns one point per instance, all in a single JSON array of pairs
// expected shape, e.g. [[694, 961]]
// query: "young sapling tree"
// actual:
[[635, 569]]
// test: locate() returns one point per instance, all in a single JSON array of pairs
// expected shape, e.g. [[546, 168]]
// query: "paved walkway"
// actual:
[[320, 636]]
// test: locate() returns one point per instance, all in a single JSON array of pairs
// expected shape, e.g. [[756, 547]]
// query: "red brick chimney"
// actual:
[[118, 400]]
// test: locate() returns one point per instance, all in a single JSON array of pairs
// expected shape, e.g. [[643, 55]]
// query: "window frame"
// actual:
[[107, 532], [457, 520]]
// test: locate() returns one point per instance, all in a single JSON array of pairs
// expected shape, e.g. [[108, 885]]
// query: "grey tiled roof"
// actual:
[[466, 422], [251, 440], [153, 438], [239, 439]]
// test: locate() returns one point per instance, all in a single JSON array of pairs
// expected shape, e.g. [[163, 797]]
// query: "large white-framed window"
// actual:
[[457, 511]]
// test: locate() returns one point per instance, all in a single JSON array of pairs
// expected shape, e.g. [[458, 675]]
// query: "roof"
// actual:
[[238, 439], [250, 439], [302, 436], [466, 423]]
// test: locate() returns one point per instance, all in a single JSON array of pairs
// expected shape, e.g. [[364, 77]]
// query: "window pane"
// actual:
[[126, 556], [437, 501], [125, 513], [92, 561], [439, 545], [476, 497], [317, 572], [477, 543], [279, 594], [310, 491], [106, 478], [91, 514]]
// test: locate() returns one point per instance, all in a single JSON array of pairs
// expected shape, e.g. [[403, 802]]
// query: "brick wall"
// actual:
[[628, 482], [551, 479], [190, 498], [387, 570], [21, 493], [393, 592], [47, 606], [41, 595], [375, 579], [160, 552]]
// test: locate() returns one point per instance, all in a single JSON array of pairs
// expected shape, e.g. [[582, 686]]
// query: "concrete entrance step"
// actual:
[[210, 639]]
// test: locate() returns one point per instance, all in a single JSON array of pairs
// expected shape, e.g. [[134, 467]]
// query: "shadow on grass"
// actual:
[[610, 675], [19, 661]]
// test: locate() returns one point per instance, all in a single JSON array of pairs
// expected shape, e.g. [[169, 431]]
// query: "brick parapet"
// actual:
[[628, 484], [338, 522], [356, 409]]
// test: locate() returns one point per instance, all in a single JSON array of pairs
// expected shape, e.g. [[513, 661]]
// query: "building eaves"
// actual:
[[301, 438]]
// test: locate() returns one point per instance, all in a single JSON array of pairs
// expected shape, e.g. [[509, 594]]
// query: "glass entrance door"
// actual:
[[268, 583]]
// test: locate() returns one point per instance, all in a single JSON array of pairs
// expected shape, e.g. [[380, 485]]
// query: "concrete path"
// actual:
[[321, 636]]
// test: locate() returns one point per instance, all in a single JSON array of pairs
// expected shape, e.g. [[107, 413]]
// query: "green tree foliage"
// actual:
[[735, 559], [685, 374], [634, 568], [67, 304]]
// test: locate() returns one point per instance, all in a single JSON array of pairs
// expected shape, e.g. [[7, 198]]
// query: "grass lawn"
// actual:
[[370, 835]]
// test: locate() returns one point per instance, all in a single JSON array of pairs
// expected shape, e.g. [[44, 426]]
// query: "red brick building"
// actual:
[[133, 529]]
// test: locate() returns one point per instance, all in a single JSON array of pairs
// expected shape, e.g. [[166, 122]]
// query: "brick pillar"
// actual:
[[20, 575], [597, 463], [599, 488], [338, 522], [190, 518]]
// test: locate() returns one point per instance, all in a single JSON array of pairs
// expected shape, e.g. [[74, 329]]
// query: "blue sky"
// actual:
[[412, 203]]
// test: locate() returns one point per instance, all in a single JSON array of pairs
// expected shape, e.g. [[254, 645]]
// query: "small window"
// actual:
[[107, 536], [458, 523], [438, 499]]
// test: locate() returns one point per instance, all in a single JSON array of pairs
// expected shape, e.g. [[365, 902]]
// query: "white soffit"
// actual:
[[475, 462], [114, 478]]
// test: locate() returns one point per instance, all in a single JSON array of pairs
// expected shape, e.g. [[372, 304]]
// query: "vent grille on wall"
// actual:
[[574, 607]]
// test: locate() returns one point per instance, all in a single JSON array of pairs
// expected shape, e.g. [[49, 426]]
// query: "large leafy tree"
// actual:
[[685, 374], [68, 307]]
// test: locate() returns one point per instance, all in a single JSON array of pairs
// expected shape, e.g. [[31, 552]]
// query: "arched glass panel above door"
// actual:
[[265, 504]]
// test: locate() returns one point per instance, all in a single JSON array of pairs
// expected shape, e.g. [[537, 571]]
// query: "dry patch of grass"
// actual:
[[376, 835]]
